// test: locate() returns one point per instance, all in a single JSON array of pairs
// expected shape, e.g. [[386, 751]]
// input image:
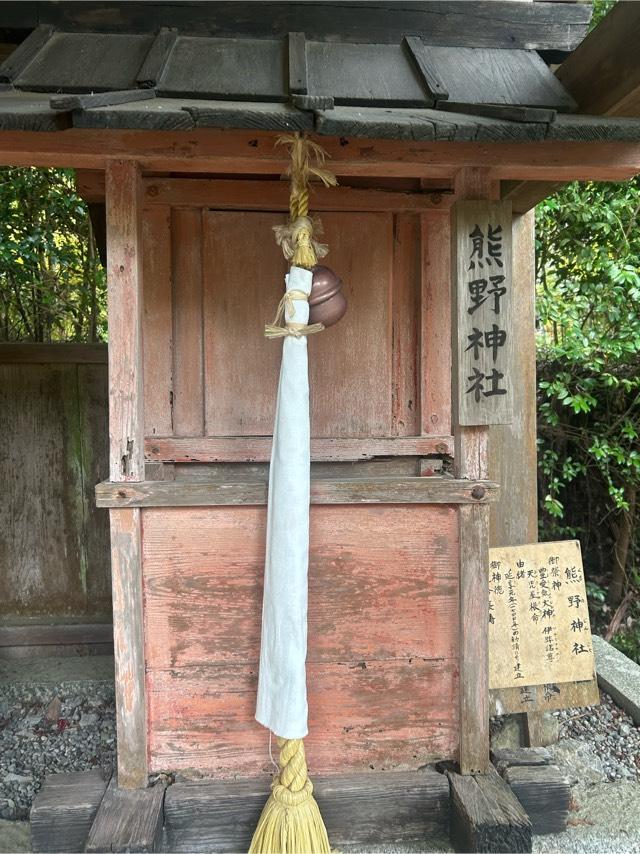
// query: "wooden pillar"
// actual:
[[126, 462], [513, 452], [471, 461]]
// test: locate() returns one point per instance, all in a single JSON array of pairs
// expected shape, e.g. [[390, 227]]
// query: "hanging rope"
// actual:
[[296, 238], [291, 822]]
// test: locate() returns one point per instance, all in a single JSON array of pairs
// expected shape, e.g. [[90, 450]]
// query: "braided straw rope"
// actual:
[[291, 822]]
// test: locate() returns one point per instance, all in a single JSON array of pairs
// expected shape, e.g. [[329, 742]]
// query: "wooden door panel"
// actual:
[[350, 364]]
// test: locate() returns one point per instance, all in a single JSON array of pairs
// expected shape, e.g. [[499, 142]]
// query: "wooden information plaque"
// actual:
[[539, 632]]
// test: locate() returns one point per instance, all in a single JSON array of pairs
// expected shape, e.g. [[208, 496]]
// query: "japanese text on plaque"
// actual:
[[539, 629], [484, 313]]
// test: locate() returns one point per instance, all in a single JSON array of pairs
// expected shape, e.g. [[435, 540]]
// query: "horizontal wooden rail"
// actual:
[[27, 352], [381, 490], [274, 195], [257, 449], [56, 635]]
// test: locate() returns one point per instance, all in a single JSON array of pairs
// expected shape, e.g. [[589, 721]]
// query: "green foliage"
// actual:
[[52, 286], [589, 337], [588, 301]]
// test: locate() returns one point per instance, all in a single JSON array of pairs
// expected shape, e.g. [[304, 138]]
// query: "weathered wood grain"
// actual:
[[56, 635], [545, 794], [435, 340], [481, 407], [297, 63], [26, 352], [64, 809], [602, 74], [128, 641], [537, 26], [78, 62], [355, 573], [500, 111], [127, 820], [346, 404], [157, 322], [428, 69], [350, 364], [20, 58], [334, 490], [365, 74], [565, 695], [486, 815], [406, 302], [471, 461], [214, 68], [364, 809], [512, 448], [99, 99], [188, 309], [344, 469], [53, 544], [252, 152], [157, 114], [489, 76], [242, 114], [212, 449], [243, 282], [383, 636], [363, 715], [156, 60], [124, 297], [263, 195]]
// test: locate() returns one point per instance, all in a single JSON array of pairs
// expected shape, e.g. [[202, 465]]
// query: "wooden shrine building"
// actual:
[[444, 124]]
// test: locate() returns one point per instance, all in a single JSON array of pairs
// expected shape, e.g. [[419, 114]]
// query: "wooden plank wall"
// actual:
[[383, 637], [224, 273], [54, 543]]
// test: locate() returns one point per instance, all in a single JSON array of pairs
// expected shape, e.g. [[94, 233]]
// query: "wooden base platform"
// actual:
[[85, 812]]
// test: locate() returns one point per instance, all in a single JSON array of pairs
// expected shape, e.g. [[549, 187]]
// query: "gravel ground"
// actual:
[[610, 733], [49, 728], [50, 723]]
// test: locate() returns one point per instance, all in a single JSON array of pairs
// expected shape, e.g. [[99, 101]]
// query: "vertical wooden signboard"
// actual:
[[484, 310]]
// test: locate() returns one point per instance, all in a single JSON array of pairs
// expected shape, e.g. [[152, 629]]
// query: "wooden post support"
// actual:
[[126, 457], [471, 461]]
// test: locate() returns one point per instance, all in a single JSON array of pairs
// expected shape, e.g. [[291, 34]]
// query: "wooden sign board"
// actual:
[[483, 345], [539, 632]]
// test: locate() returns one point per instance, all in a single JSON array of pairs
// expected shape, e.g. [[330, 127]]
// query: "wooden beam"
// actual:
[[512, 448], [475, 23], [355, 490], [257, 449], [26, 352], [99, 99], [64, 809], [126, 462], [56, 635], [274, 195], [371, 809], [486, 815], [603, 72], [127, 821], [603, 75], [241, 152], [471, 461], [124, 297]]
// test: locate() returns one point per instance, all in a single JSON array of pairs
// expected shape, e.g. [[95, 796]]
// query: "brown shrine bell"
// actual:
[[327, 303]]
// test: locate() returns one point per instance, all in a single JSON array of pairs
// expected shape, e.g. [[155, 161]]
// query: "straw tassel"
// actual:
[[291, 822]]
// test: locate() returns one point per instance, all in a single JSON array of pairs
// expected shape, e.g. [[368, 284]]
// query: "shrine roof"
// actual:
[[409, 70]]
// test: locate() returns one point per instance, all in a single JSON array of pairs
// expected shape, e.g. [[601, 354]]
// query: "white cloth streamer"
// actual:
[[282, 688]]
